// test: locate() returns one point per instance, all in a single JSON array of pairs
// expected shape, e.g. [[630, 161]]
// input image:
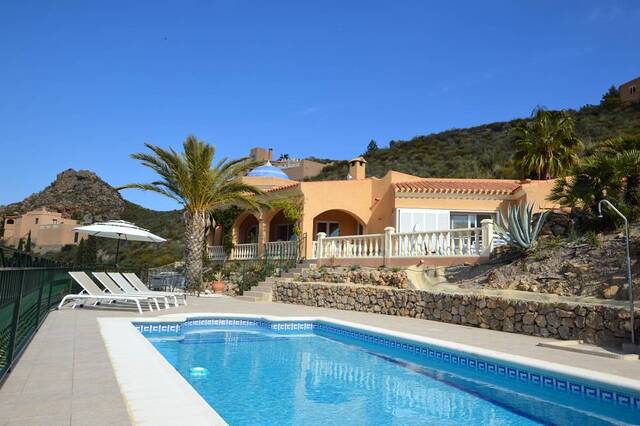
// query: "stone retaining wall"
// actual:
[[365, 276], [592, 323]]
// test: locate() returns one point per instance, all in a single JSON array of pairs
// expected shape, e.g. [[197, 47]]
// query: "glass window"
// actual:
[[284, 232], [460, 221], [469, 220], [332, 229], [252, 235]]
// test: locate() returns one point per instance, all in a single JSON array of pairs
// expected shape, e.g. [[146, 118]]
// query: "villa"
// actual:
[[393, 220], [49, 230]]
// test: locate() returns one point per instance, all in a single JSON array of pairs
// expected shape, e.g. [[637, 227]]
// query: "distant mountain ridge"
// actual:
[[482, 151]]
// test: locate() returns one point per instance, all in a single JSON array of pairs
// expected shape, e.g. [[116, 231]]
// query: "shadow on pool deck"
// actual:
[[65, 376]]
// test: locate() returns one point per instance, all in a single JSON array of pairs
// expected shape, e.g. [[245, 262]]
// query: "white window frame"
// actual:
[[474, 214], [442, 219]]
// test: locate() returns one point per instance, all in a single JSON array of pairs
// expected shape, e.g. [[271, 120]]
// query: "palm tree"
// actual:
[[547, 146], [612, 172], [190, 179]]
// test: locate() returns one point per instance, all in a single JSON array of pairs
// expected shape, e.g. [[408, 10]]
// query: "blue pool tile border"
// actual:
[[450, 356]]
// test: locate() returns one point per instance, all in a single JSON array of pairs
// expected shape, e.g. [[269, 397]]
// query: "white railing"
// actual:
[[371, 245], [442, 243], [245, 251], [450, 242], [217, 253], [281, 249]]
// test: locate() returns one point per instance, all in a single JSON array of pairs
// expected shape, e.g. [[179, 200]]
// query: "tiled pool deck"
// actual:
[[65, 376]]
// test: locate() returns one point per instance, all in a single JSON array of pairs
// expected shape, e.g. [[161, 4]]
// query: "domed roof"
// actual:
[[267, 170]]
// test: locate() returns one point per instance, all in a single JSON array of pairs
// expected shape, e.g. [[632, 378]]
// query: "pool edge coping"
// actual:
[[136, 395], [143, 374]]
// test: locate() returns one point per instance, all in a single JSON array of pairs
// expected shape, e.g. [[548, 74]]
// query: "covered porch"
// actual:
[[340, 237]]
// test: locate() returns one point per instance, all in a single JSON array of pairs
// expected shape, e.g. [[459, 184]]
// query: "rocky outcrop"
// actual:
[[592, 323], [78, 194], [590, 266]]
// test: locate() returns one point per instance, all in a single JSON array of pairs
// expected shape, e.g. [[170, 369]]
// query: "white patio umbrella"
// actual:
[[120, 230]]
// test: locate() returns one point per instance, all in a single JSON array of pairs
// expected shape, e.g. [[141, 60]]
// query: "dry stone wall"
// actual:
[[592, 323], [366, 276]]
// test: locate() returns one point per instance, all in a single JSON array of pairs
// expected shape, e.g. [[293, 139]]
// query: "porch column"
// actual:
[[263, 235], [487, 236], [306, 225], [235, 239], [387, 245], [321, 237]]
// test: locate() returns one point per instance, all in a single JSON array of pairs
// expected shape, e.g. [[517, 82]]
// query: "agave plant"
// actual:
[[519, 230]]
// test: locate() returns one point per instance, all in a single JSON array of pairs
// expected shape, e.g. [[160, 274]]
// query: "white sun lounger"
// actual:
[[113, 288], [137, 283], [90, 291], [128, 288]]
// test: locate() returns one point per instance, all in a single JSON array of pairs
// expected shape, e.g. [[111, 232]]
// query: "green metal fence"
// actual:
[[30, 287], [26, 296]]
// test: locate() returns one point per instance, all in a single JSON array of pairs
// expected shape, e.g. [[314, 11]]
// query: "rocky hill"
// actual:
[[84, 196], [81, 195]]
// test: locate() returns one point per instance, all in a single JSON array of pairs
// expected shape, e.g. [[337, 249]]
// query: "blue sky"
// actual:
[[85, 83]]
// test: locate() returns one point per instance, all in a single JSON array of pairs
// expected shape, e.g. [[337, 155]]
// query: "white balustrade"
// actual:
[[442, 243], [371, 245], [450, 242], [217, 253], [281, 249], [245, 251]]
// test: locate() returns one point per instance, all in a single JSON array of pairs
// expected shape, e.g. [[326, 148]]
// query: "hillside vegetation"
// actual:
[[483, 151]]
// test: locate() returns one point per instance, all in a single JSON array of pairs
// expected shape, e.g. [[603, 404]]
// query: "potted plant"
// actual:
[[218, 284]]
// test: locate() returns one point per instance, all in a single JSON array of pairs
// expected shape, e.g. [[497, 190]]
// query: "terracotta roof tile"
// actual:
[[280, 188], [459, 186]]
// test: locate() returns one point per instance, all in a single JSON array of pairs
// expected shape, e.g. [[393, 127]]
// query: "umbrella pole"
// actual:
[[117, 252]]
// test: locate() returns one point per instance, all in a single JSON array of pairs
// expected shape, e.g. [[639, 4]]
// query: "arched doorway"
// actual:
[[281, 228], [247, 230], [336, 223]]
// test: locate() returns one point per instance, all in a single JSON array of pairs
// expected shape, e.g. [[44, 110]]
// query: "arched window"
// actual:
[[632, 90], [10, 222]]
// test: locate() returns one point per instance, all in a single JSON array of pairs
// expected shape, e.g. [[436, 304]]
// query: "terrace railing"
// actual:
[[217, 253], [467, 242], [295, 249], [245, 251], [451, 242], [282, 249], [371, 245]]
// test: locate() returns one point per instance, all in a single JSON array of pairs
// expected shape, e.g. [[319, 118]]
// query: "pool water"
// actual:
[[258, 376]]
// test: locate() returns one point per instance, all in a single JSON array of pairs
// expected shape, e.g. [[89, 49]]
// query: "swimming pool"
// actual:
[[257, 371]]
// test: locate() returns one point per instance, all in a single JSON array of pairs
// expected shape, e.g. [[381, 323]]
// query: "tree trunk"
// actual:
[[195, 224]]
